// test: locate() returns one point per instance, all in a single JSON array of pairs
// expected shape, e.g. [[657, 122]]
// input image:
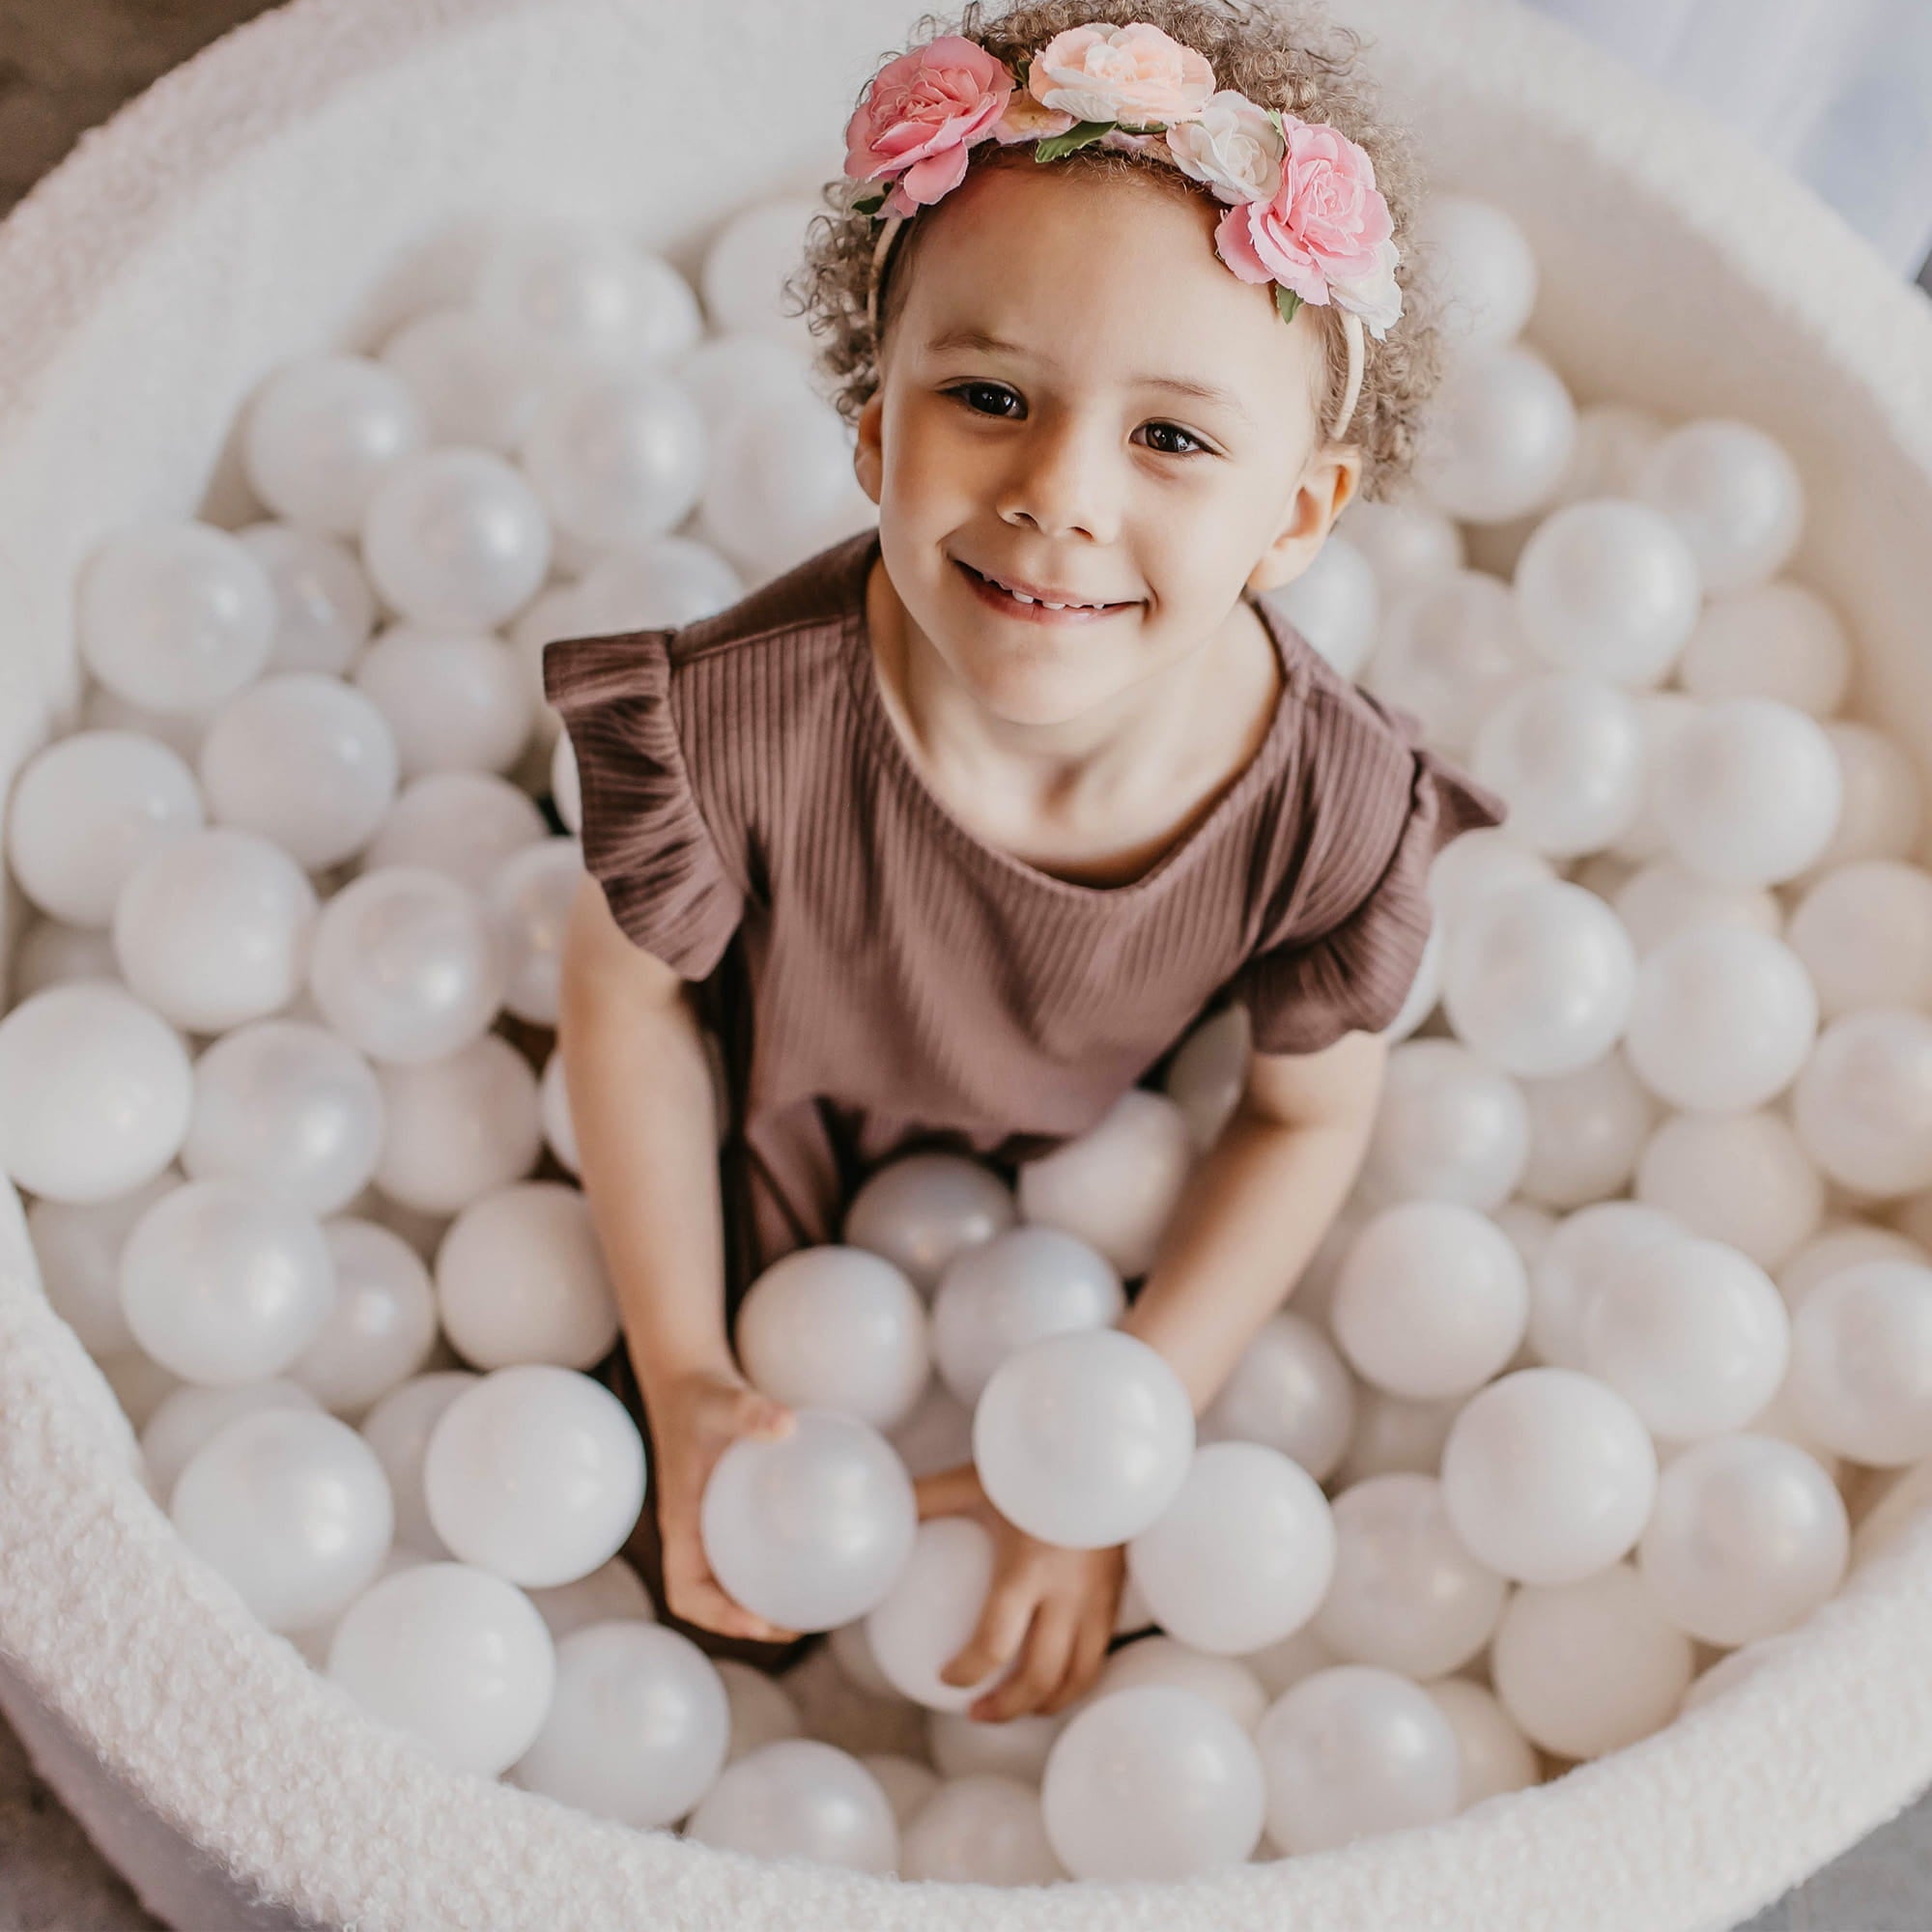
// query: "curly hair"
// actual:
[[1280, 53]]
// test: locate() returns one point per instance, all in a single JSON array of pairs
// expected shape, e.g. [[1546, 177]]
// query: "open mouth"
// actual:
[[1009, 604]]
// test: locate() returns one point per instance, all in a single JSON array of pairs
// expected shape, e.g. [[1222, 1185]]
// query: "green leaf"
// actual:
[[1053, 145], [869, 203], [1287, 302]]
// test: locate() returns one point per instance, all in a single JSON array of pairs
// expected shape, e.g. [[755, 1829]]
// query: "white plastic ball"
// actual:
[[1744, 1178], [456, 1656], [1335, 604], [1402, 542], [1290, 1389], [1452, 647], [1884, 797], [463, 824], [1494, 1755], [981, 1829], [1862, 1104], [457, 1129], [930, 1614], [1568, 755], [1734, 493], [528, 900], [1499, 436], [560, 1131], [1586, 1129], [194, 1414], [476, 376], [50, 953], [1548, 1475], [1661, 900], [292, 1507], [747, 261], [799, 1799], [78, 1255], [763, 1710], [579, 290], [1083, 1440], [453, 700], [1226, 1680], [1208, 1073], [1862, 1362], [616, 456], [1777, 639], [1152, 1783], [537, 1473], [321, 433], [732, 370], [381, 1326], [1864, 933], [938, 1434], [1585, 1249], [1450, 1128], [1480, 861], [1485, 267], [655, 582], [398, 1428], [906, 1783], [1612, 440], [922, 1211], [325, 608]]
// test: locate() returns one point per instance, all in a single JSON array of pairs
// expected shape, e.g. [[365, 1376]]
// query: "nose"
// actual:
[[1064, 479]]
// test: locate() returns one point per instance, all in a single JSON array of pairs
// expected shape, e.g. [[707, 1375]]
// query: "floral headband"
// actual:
[[1304, 211]]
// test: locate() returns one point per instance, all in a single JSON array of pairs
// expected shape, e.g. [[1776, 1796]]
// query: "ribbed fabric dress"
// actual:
[[883, 979]]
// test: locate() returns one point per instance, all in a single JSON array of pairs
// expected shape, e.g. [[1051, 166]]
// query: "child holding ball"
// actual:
[[951, 833]]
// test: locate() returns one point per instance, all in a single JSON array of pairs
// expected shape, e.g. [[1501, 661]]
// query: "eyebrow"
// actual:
[[978, 338]]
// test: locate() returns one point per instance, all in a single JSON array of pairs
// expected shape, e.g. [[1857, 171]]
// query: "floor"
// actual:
[[66, 65]]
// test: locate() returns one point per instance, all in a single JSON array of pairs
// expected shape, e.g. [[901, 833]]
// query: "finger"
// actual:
[[694, 1594], [947, 1491], [765, 1418], [1043, 1667], [995, 1639], [1084, 1668]]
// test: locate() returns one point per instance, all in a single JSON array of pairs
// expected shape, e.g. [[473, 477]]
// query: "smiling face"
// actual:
[[1074, 455]]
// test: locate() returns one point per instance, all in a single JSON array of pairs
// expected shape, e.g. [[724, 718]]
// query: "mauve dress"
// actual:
[[883, 979]]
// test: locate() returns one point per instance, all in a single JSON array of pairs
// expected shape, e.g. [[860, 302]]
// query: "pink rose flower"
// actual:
[[1135, 74], [921, 114], [1322, 231]]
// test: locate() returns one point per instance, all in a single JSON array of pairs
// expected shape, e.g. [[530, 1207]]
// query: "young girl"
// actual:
[[1118, 298]]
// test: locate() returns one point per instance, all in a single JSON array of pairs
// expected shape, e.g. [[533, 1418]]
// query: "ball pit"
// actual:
[[248, 208]]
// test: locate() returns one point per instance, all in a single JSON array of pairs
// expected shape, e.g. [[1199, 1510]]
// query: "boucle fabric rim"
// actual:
[[221, 1728]]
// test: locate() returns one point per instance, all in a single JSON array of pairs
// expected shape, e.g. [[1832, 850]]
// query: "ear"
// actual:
[[869, 461], [1326, 486]]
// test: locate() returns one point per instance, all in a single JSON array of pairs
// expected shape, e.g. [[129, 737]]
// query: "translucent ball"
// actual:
[[1777, 641], [799, 1799], [453, 1655], [1838, 1247], [463, 824], [1749, 1537], [537, 1473], [560, 1131], [736, 369], [1486, 269], [1153, 1782], [456, 538], [1862, 1362], [938, 1434], [398, 1428], [213, 928], [1335, 604], [1226, 1680], [1548, 1475], [1568, 756], [1290, 1389], [579, 290], [223, 1282], [459, 1128], [779, 486], [981, 1829], [1404, 1595], [1884, 803], [304, 761], [174, 616], [1640, 1665], [637, 1727], [78, 1252], [1540, 978], [1722, 1019], [1352, 1751], [1083, 1440], [1449, 1128], [382, 1325], [85, 812], [292, 1507], [1585, 1249], [1479, 862], [762, 1709], [521, 1278], [1402, 542], [1609, 588], [476, 376], [1665, 713], [922, 1210], [616, 456], [931, 1610], [1749, 791], [1612, 440], [1208, 1073], [566, 787], [287, 1107], [1019, 1287], [1864, 933], [1863, 1105], [50, 953], [1659, 901], [529, 900], [832, 1326], [193, 1414], [1499, 436], [405, 966], [1115, 1185], [1586, 1129], [453, 700], [613, 1593], [746, 262], [1496, 1756], [96, 1092], [1452, 647], [1734, 493], [321, 431], [1742, 1178], [325, 608], [906, 1783], [1243, 1553], [1692, 1333], [653, 581], [812, 1531]]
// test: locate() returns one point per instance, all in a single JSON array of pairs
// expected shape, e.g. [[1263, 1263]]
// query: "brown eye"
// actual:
[[1199, 448], [963, 389]]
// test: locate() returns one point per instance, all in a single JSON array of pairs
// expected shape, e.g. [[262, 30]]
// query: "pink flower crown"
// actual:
[[1303, 212]]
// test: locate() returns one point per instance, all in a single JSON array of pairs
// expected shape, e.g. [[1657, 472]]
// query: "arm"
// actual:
[[643, 1105]]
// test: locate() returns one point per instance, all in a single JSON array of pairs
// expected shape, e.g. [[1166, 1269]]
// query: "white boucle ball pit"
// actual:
[[271, 198]]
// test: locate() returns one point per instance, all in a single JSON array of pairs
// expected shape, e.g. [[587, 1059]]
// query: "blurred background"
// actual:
[[1837, 91]]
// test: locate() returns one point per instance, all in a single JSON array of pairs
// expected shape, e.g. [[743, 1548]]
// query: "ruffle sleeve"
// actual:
[[646, 842], [1356, 973]]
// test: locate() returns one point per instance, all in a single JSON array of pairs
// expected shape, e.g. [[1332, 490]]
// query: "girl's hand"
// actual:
[[694, 1418], [1061, 1602]]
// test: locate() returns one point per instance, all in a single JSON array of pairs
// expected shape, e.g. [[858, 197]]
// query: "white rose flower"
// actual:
[[1374, 296], [1234, 147]]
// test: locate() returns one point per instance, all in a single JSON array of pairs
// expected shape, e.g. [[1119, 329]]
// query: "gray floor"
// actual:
[[64, 66]]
